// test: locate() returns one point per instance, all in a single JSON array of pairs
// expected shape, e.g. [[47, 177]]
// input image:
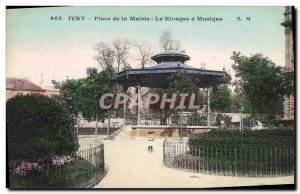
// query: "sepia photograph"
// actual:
[[150, 97]]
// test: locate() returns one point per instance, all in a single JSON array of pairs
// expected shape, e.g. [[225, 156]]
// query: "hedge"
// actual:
[[249, 139], [39, 126]]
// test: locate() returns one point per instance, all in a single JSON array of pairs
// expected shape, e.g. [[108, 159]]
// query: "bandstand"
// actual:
[[169, 63]]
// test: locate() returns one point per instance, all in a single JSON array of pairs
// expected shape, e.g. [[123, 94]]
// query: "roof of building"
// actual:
[[170, 56], [22, 85], [169, 63]]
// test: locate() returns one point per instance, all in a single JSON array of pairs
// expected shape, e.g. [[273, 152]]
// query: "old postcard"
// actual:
[[166, 97]]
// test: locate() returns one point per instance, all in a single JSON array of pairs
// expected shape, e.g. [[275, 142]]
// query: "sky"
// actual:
[[58, 49]]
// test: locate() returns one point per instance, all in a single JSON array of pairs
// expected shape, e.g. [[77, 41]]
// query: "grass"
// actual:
[[55, 176]]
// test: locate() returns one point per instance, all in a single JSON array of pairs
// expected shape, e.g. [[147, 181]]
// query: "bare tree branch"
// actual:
[[105, 56], [145, 53], [166, 40], [122, 48], [168, 43]]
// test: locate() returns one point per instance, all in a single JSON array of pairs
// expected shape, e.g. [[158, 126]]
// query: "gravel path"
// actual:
[[131, 166]]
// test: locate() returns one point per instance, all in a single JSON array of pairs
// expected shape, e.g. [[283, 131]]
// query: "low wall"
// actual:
[[164, 132], [91, 131]]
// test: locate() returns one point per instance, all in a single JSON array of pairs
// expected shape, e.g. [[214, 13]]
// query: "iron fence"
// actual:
[[82, 169], [242, 161], [170, 118], [100, 131]]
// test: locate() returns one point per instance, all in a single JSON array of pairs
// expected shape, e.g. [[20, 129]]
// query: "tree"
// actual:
[[259, 82], [39, 126], [168, 43], [235, 104], [106, 56], [182, 83], [222, 98], [122, 48], [71, 90], [97, 84], [83, 95], [144, 53]]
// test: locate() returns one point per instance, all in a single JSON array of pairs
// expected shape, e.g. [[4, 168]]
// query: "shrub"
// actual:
[[227, 119], [250, 139], [39, 126], [52, 176], [253, 153]]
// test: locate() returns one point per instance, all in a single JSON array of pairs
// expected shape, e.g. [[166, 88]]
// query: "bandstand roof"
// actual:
[[169, 63]]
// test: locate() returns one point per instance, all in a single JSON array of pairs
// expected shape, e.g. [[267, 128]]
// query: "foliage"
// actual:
[[225, 118], [95, 85], [259, 82], [254, 153], [250, 139], [39, 125], [71, 90], [83, 95], [182, 83], [238, 161], [235, 104], [80, 168], [221, 99], [71, 171]]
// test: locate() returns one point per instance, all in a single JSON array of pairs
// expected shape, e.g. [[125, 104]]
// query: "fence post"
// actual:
[[208, 107], [77, 124], [276, 158], [293, 159], [216, 160], [185, 151], [266, 166], [221, 161], [226, 163], [235, 159], [96, 161], [164, 152], [271, 166], [199, 159], [96, 127], [203, 160], [212, 159], [286, 160], [251, 162], [124, 112]]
